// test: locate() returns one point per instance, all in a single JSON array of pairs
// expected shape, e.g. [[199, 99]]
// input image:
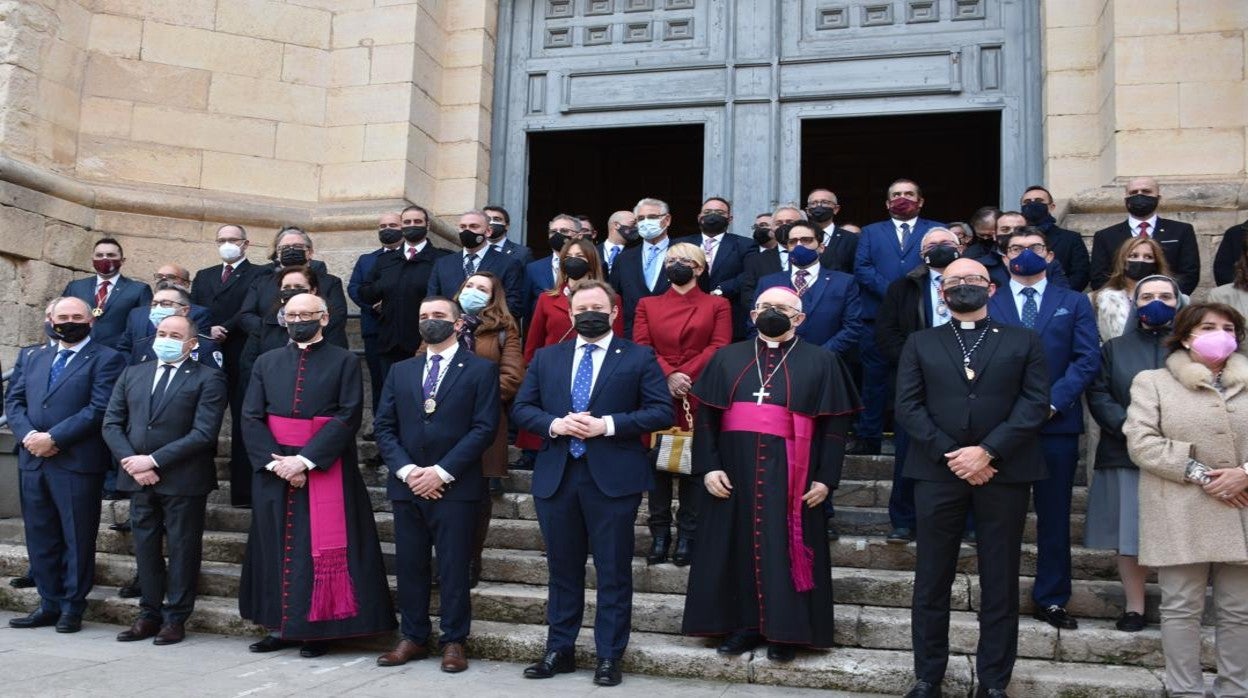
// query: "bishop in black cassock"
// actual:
[[773, 418], [313, 569]]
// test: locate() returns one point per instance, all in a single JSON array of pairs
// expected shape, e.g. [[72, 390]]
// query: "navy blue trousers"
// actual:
[[421, 526], [1051, 498], [61, 510]]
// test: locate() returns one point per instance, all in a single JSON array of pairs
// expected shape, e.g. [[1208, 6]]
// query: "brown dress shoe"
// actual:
[[142, 629], [453, 658], [403, 653], [170, 634]]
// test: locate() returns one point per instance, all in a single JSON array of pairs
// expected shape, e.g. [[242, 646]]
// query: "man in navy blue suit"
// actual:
[[108, 294], [1067, 327], [839, 244], [725, 258], [56, 408], [539, 275], [829, 297], [438, 414], [593, 398], [1006, 223], [451, 270], [886, 251], [168, 299], [500, 223], [390, 234], [638, 272]]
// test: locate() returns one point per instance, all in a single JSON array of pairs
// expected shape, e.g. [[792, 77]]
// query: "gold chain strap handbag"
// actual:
[[674, 447]]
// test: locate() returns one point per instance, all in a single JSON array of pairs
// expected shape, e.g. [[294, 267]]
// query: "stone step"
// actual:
[[846, 669]]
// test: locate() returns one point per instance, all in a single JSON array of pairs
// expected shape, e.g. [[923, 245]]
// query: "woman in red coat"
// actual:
[[685, 326]]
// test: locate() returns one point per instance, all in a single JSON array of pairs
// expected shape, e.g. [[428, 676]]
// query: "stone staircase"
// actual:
[[873, 583]]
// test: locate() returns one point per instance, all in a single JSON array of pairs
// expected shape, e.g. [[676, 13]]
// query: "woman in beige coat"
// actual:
[[1194, 528]]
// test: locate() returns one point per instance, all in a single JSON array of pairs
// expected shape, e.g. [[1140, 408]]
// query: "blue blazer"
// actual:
[[518, 252], [139, 327], [454, 437], [1067, 329], [127, 295], [833, 310], [638, 402], [72, 411], [448, 274], [628, 278], [359, 274], [880, 259], [538, 277], [1000, 274]]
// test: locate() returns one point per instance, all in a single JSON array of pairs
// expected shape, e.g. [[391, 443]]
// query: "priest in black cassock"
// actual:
[[313, 569], [769, 441]]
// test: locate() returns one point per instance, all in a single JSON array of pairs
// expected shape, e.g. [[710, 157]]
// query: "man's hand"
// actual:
[[40, 444], [425, 483], [218, 333], [1226, 482], [137, 464], [717, 483], [968, 461], [815, 495], [564, 426], [298, 480], [678, 384], [147, 478], [590, 425], [288, 466], [982, 477]]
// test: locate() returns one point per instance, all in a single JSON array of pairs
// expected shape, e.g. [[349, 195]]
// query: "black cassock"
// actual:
[[740, 577], [276, 586]]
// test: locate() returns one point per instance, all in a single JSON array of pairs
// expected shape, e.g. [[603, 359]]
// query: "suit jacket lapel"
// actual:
[[565, 363], [916, 234], [1003, 302], [179, 377], [609, 362], [78, 361], [142, 383], [814, 294], [1048, 305], [450, 375]]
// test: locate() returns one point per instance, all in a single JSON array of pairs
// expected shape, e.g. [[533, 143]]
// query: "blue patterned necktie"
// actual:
[[470, 265], [905, 234], [652, 273], [581, 384], [58, 366], [1030, 310], [615, 251], [431, 380]]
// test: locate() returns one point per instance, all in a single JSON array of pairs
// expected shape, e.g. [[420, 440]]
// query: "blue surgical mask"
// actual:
[[649, 229], [167, 349], [803, 256], [472, 300], [157, 314], [1155, 313], [1028, 264]]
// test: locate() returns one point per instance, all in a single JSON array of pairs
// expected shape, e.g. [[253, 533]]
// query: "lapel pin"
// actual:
[[995, 330], [617, 351]]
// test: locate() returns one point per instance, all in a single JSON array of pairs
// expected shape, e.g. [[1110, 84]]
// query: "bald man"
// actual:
[[972, 395], [390, 234], [1177, 239]]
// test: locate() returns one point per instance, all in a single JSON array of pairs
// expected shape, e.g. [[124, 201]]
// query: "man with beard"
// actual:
[[972, 395], [313, 569], [1067, 245], [725, 256], [1177, 239], [768, 444], [390, 234], [478, 255]]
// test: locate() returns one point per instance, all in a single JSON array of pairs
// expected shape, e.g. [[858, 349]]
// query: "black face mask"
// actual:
[[71, 332], [497, 231], [761, 235], [287, 293], [389, 236], [557, 241], [436, 331], [469, 239], [819, 214], [713, 223], [303, 330], [1138, 269], [941, 256], [772, 323], [966, 298], [574, 268], [630, 235], [592, 324], [291, 257], [679, 274], [1142, 205], [415, 233]]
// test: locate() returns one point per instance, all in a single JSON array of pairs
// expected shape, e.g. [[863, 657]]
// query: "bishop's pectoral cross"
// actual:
[[760, 394]]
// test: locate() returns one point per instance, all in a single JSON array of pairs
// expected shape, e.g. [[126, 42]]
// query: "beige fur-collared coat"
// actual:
[[1176, 414]]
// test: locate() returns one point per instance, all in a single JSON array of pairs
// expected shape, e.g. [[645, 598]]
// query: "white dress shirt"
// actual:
[[710, 256], [812, 275], [156, 380], [447, 355], [1016, 290], [901, 237], [598, 356], [1134, 224], [408, 247], [112, 286]]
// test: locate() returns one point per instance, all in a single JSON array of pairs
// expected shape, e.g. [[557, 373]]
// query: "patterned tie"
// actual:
[[799, 281], [708, 247], [101, 294], [905, 234], [411, 253], [1030, 310], [62, 358], [615, 252], [226, 272], [431, 380], [581, 384], [470, 265], [1144, 230], [161, 385], [652, 275]]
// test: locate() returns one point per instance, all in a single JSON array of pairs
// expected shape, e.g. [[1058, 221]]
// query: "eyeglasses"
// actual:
[[1038, 248], [809, 239], [168, 304], [821, 202], [682, 260], [283, 248], [295, 317], [970, 279], [563, 231], [654, 217], [236, 241], [712, 212], [785, 310], [170, 277]]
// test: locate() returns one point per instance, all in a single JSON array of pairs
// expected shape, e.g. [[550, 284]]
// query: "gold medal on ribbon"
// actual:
[[97, 311]]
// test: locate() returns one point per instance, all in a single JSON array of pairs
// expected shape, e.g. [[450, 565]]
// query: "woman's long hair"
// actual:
[[495, 316], [591, 255], [1118, 272]]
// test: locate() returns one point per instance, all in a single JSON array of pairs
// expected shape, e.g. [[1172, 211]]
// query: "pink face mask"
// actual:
[[1215, 346]]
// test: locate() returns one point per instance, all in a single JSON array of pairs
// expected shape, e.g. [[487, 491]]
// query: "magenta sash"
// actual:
[[797, 430], [333, 594]]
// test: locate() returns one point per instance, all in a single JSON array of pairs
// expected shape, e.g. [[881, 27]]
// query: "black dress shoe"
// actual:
[[313, 649], [1057, 617], [270, 643], [901, 535], [1131, 622], [69, 623], [683, 554], [658, 549], [991, 693], [130, 590], [553, 663], [23, 582], [120, 526], [608, 673], [38, 618], [740, 642], [781, 653], [864, 447], [924, 689], [834, 533], [114, 495]]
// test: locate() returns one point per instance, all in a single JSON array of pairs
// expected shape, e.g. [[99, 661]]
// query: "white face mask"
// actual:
[[229, 251], [650, 229]]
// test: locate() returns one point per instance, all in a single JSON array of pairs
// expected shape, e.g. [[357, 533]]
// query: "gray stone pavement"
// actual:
[[42, 662]]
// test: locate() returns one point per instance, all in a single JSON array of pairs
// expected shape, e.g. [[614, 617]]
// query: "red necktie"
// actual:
[[226, 271], [1144, 230], [411, 253], [101, 294]]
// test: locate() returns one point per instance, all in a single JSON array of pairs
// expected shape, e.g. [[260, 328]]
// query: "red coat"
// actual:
[[685, 330], [551, 324]]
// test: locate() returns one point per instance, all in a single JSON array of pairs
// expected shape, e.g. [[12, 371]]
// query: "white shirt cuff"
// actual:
[[610, 425], [32, 431], [446, 477], [310, 465], [403, 472], [550, 430], [270, 465], [154, 463]]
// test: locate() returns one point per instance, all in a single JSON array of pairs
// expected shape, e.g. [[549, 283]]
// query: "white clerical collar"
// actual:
[[771, 344], [966, 324], [447, 354], [305, 345]]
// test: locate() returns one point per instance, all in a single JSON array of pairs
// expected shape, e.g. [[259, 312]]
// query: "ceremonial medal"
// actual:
[[97, 312], [966, 353], [970, 372], [430, 405]]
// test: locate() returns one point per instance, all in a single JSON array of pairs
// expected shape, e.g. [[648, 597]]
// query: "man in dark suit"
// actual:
[[591, 472], [1177, 239], [167, 300], [56, 409], [886, 251], [540, 274], [774, 259], [994, 259], [390, 233], [839, 245], [110, 295], [1066, 323], [438, 415], [1230, 249], [621, 234], [500, 223], [450, 271], [397, 284], [1067, 246], [972, 395], [725, 257], [162, 424], [638, 272], [829, 297]]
